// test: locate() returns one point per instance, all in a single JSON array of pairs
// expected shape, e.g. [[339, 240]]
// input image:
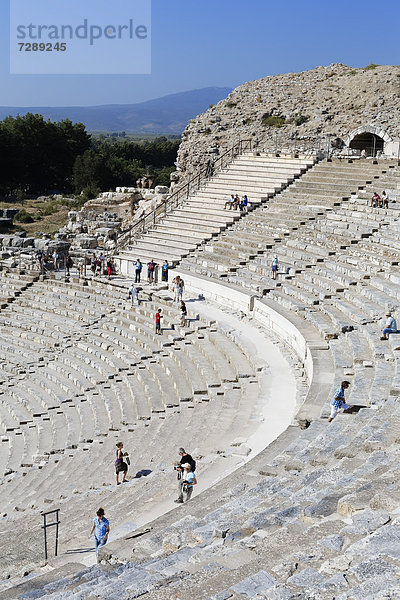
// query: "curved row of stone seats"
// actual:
[[203, 214], [283, 216], [86, 375], [337, 289], [314, 517], [12, 285], [51, 477]]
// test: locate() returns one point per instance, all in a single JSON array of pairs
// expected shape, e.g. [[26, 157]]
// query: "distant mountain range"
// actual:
[[168, 114]]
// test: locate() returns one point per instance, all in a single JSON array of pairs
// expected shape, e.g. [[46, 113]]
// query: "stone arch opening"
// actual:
[[370, 142]]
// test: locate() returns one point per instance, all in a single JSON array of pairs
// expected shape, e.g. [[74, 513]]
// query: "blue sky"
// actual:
[[220, 43]]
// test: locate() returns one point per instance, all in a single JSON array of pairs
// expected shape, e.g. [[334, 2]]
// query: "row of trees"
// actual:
[[41, 157]]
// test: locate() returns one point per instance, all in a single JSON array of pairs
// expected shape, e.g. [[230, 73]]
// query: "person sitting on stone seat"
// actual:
[[389, 327], [230, 202], [375, 199], [384, 203], [244, 203]]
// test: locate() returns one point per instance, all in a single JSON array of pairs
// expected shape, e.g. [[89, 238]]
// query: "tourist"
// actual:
[[68, 264], [183, 313], [158, 321], [138, 270], [375, 200], [185, 458], [98, 266], [181, 285], [175, 285], [230, 202], [164, 271], [93, 264], [389, 327], [109, 268], [185, 485], [120, 465], [337, 401], [237, 202], [243, 204], [274, 267], [150, 270], [101, 527], [134, 294], [384, 200]]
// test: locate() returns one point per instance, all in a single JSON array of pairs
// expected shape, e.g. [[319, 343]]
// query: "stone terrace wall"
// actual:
[[326, 101]]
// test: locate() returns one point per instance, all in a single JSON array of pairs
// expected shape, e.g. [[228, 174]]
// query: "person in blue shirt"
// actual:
[[185, 485], [101, 527], [390, 326], [138, 270], [164, 271], [337, 401]]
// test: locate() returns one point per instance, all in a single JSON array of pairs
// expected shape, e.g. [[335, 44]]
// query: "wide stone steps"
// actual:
[[193, 215]]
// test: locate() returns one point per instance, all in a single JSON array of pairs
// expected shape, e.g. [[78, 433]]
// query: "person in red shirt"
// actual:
[[158, 322]]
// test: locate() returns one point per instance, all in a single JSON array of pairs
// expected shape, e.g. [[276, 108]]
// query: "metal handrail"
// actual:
[[150, 219]]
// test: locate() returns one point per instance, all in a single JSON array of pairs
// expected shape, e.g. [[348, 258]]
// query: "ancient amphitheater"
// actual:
[[288, 507]]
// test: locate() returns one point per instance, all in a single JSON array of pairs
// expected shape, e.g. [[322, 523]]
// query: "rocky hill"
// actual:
[[326, 101]]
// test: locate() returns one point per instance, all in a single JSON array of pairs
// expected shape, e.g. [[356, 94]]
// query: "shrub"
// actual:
[[370, 67], [258, 98], [231, 104], [23, 217], [269, 120], [300, 119]]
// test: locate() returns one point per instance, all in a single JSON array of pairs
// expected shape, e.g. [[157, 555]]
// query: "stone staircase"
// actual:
[[316, 196], [203, 216]]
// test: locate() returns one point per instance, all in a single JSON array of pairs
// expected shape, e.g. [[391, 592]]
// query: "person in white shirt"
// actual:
[[389, 327], [185, 485], [134, 294]]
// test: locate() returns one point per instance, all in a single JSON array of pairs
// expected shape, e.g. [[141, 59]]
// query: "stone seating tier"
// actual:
[[321, 495], [205, 208]]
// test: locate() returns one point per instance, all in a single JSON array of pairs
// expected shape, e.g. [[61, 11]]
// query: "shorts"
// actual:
[[158, 326], [274, 268], [121, 467]]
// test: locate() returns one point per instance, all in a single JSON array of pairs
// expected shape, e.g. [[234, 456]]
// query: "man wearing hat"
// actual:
[[185, 485], [390, 326]]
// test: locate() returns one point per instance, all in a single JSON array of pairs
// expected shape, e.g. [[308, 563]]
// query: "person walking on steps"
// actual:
[[101, 527], [185, 485], [184, 458], [158, 322], [120, 465], [389, 327], [134, 294], [138, 270], [274, 268], [338, 400]]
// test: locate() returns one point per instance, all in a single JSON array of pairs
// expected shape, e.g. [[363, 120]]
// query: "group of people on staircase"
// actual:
[[235, 202]]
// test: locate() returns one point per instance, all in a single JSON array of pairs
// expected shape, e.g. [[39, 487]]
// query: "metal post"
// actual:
[[46, 525], [45, 535], [374, 146]]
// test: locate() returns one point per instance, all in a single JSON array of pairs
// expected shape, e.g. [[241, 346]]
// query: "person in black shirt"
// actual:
[[185, 459]]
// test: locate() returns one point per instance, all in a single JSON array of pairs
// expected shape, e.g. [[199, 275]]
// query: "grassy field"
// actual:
[[48, 214]]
